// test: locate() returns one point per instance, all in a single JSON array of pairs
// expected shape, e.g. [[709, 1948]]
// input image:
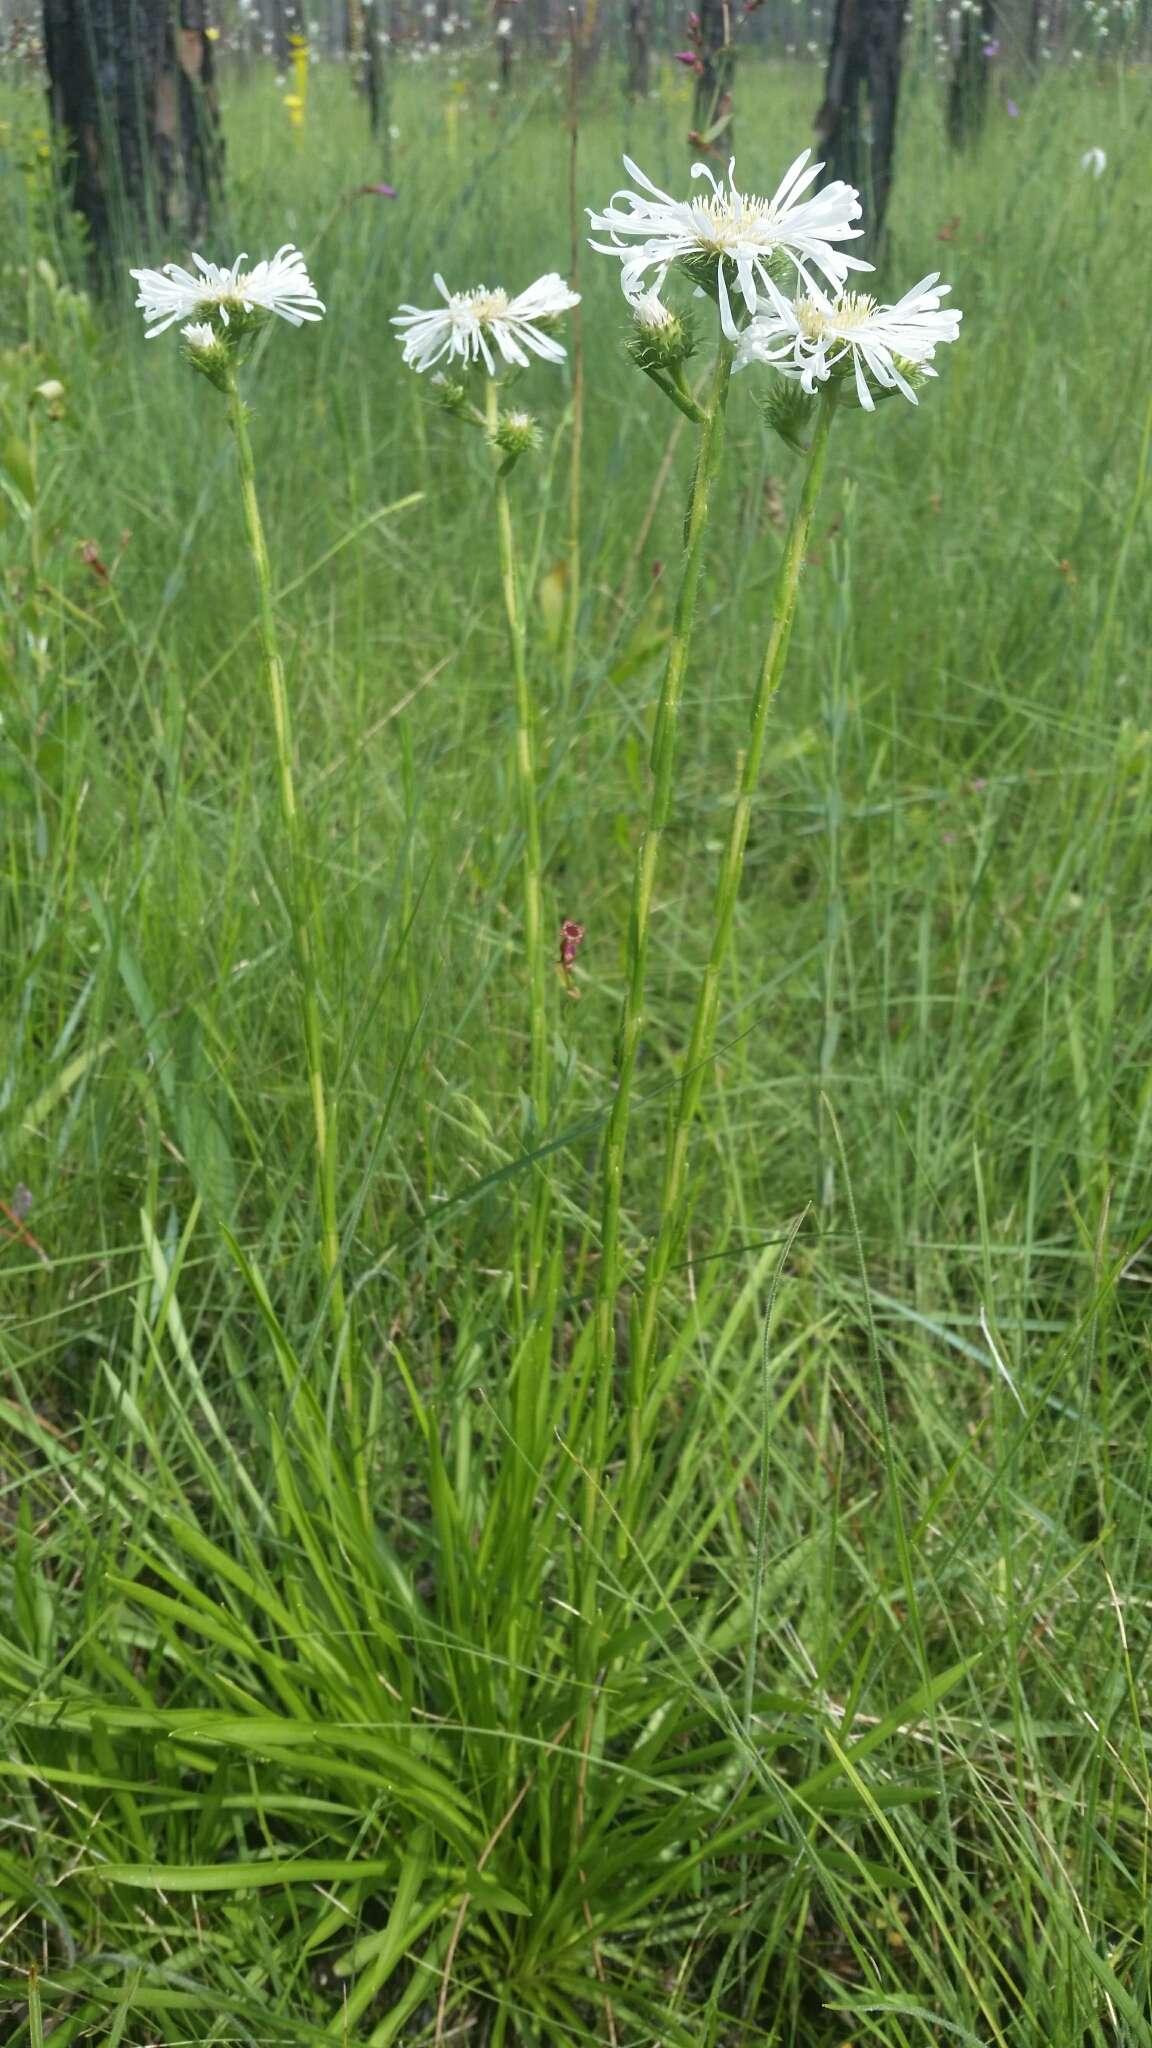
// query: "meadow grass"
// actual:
[[302, 1742]]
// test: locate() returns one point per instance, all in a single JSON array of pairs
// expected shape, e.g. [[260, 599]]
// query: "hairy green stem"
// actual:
[[525, 776], [576, 357], [663, 762], [301, 897], [701, 1044]]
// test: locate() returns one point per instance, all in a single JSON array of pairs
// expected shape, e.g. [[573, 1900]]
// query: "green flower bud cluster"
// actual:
[[515, 434], [448, 392]]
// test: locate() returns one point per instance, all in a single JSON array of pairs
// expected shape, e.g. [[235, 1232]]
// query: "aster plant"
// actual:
[[222, 309], [484, 338], [777, 272]]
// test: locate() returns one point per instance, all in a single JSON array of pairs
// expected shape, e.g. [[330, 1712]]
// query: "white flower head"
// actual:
[[279, 284], [1094, 160], [815, 335], [730, 228], [469, 322]]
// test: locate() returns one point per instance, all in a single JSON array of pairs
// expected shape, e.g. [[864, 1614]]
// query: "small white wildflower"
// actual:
[[1094, 160], [813, 336], [467, 321], [730, 227], [279, 284]]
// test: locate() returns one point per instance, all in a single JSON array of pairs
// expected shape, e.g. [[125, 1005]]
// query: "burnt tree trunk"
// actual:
[[712, 102], [864, 60], [131, 87], [105, 74], [502, 21], [373, 83], [201, 143], [1035, 11], [283, 22], [639, 31], [968, 85], [362, 42]]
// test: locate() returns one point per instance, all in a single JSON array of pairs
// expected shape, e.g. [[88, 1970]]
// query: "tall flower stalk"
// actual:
[[525, 774], [702, 1039], [740, 249], [224, 308], [660, 791], [729, 244], [302, 905], [490, 331]]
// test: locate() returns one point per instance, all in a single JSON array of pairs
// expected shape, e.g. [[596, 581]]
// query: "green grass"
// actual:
[[300, 1739]]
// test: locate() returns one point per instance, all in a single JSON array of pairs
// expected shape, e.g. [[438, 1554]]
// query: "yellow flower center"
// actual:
[[489, 305], [729, 218], [854, 309]]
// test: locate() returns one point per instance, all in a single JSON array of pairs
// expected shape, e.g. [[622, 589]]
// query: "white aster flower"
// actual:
[[467, 321], [731, 227], [811, 337], [279, 284], [1094, 160]]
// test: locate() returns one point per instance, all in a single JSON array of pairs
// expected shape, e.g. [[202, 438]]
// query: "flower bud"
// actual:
[[447, 392], [788, 409], [51, 396], [208, 350], [515, 434], [660, 338]]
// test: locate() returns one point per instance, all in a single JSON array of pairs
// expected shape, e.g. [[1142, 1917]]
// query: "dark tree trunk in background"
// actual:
[[201, 143], [639, 26], [863, 62], [373, 83], [502, 21], [131, 85], [362, 42], [968, 85], [712, 104], [283, 21], [1035, 12], [111, 91], [593, 17]]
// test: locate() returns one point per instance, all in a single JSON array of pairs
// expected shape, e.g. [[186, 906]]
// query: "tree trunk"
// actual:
[[283, 21], [104, 90], [639, 28], [133, 92], [712, 104], [362, 42], [864, 59], [373, 83], [968, 85], [201, 143], [503, 24]]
